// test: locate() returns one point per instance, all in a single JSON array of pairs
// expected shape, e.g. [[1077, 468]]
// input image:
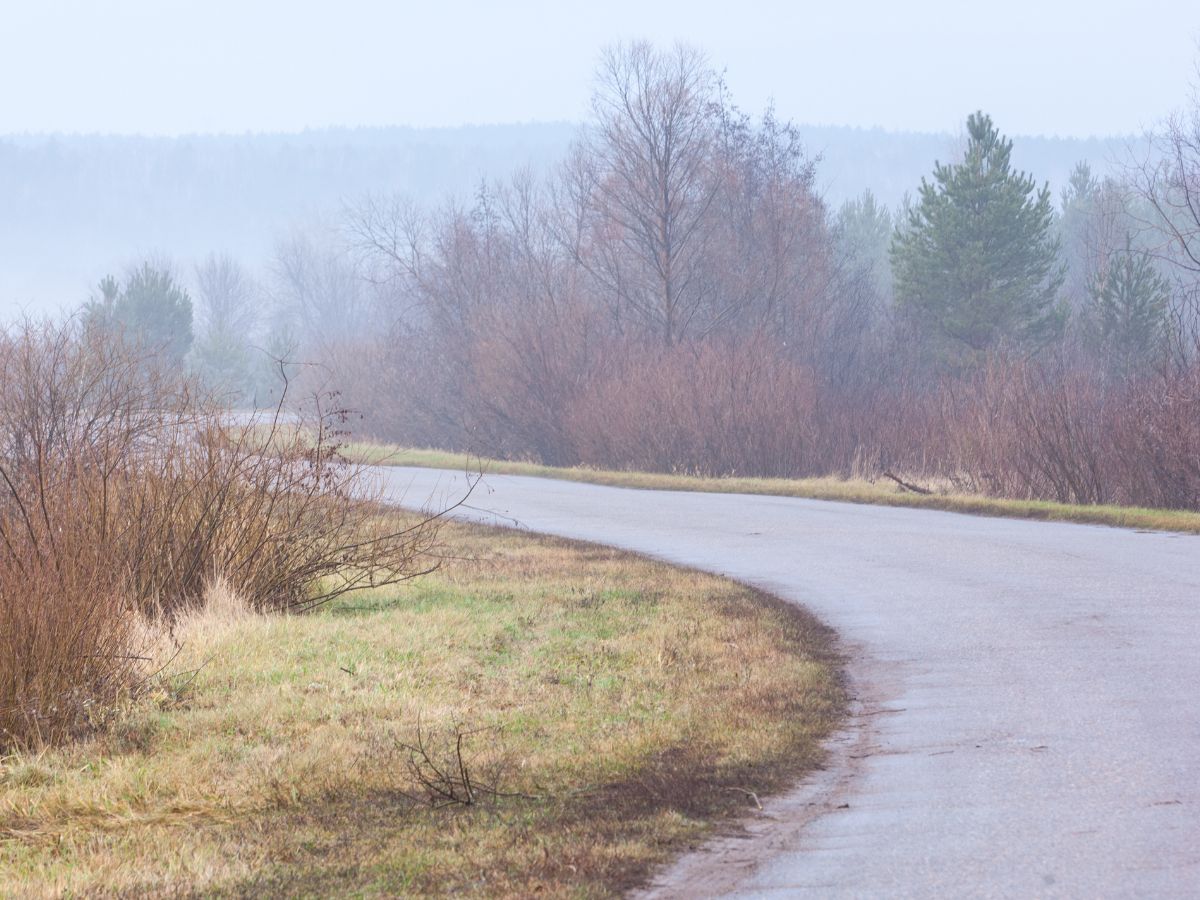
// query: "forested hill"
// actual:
[[891, 164], [74, 207]]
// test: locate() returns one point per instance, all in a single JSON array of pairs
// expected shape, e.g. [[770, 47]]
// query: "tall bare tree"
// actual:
[[318, 290], [1168, 180], [646, 163], [227, 297]]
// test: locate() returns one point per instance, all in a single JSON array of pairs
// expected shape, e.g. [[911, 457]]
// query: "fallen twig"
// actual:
[[915, 488]]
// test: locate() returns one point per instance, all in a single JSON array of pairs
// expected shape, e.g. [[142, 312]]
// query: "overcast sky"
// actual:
[[181, 66]]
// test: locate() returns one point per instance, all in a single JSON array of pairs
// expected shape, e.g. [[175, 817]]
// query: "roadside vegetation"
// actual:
[[226, 669], [883, 490], [608, 710], [125, 493], [677, 296]]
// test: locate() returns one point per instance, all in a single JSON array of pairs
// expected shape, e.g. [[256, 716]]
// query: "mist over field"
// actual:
[[904, 237], [74, 207], [730, 257]]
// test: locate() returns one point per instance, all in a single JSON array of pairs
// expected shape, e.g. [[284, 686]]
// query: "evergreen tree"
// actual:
[[98, 311], [1128, 320], [1077, 228], [156, 311], [976, 262], [864, 233], [226, 321], [152, 310]]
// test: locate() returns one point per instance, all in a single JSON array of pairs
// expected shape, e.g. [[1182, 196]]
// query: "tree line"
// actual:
[[677, 295]]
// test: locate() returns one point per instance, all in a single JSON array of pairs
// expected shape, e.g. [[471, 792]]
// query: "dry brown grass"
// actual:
[[882, 492], [621, 706]]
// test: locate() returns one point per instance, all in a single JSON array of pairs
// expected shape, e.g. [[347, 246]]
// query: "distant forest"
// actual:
[[75, 207]]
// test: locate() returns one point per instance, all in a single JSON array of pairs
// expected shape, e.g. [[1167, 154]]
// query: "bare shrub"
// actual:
[[1016, 428], [717, 407], [1056, 429], [443, 770], [1158, 440], [69, 638], [124, 494]]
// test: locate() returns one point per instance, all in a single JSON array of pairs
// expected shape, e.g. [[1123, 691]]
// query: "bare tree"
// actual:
[[227, 297], [773, 266], [1171, 184], [1167, 179], [318, 290], [646, 168]]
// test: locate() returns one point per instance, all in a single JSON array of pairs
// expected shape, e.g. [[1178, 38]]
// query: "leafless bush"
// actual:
[[124, 493], [444, 771], [1158, 440], [718, 407], [1055, 429], [676, 298], [69, 641]]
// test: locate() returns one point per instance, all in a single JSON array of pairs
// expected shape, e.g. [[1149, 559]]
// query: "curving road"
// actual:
[[1027, 715]]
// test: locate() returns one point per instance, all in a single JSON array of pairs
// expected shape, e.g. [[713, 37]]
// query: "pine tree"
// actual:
[[864, 233], [1128, 319], [153, 310], [98, 311], [976, 261], [1077, 227]]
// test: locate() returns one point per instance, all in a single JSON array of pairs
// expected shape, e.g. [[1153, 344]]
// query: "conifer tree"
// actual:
[[976, 260], [1128, 318], [152, 309], [157, 311]]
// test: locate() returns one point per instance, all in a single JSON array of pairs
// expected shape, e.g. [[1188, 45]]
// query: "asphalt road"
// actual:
[[1027, 714]]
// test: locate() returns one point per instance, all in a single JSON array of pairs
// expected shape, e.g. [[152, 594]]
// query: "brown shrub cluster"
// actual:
[[1050, 429], [716, 408], [124, 493], [1054, 427]]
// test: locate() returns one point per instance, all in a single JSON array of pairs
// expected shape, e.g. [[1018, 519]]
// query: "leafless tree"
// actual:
[[645, 167], [228, 300], [1167, 178], [1171, 184], [318, 290]]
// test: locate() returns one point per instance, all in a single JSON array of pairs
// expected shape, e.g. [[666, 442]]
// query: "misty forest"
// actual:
[[676, 294]]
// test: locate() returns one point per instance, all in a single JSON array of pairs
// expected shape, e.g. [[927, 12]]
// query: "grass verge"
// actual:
[[848, 490], [611, 709]]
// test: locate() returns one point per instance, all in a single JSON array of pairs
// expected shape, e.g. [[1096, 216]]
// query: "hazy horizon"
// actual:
[[317, 130], [148, 128], [138, 67], [78, 207]]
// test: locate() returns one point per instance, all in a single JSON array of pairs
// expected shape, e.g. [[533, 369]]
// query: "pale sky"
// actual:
[[184, 66]]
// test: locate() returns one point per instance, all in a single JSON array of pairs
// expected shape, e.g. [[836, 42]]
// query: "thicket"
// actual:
[[125, 492], [678, 297]]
